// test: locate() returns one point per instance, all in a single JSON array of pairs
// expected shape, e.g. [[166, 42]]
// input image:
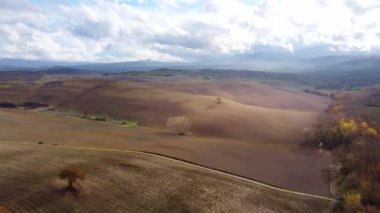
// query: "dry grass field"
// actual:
[[282, 165], [123, 182]]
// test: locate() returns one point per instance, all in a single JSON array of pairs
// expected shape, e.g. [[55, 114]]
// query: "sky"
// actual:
[[184, 30]]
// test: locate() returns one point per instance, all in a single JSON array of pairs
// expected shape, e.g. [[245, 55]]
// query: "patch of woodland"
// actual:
[[350, 133]]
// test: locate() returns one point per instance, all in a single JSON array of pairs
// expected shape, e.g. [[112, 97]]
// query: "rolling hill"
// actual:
[[249, 111]]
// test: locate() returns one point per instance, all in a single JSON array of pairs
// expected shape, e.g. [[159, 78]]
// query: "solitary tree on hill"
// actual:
[[71, 174]]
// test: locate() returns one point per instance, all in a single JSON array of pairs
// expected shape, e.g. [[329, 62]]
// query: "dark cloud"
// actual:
[[356, 8], [339, 38], [359, 36], [196, 35], [181, 40], [20, 5], [372, 25], [92, 29]]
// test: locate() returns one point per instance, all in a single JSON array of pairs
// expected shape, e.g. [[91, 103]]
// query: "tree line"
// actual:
[[352, 137]]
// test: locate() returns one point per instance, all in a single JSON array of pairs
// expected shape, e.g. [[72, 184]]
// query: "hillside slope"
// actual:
[[254, 119], [280, 165], [124, 182]]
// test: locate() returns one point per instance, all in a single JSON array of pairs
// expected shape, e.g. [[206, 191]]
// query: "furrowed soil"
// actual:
[[124, 182], [281, 165]]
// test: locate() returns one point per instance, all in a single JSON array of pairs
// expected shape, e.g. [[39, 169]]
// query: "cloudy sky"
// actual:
[[182, 30]]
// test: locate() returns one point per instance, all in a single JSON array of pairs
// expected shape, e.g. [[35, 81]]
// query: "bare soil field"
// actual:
[[282, 165], [250, 111], [122, 182], [251, 93]]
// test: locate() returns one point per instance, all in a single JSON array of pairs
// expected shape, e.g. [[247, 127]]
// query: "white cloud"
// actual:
[[182, 29]]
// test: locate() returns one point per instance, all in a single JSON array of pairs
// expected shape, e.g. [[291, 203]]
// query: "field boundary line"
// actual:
[[193, 165]]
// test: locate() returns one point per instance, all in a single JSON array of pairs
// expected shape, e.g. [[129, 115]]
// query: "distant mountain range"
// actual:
[[10, 64], [321, 72], [269, 62]]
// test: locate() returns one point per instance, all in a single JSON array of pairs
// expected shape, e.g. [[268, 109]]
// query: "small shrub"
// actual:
[[71, 174], [180, 124], [352, 200], [130, 124], [98, 118], [218, 100], [32, 105], [7, 105], [40, 142], [371, 132], [92, 117]]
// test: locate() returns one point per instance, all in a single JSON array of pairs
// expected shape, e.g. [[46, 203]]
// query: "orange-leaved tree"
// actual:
[[71, 174], [3, 209]]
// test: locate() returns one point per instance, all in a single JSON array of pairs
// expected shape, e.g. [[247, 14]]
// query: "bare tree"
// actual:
[[71, 174], [180, 124]]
